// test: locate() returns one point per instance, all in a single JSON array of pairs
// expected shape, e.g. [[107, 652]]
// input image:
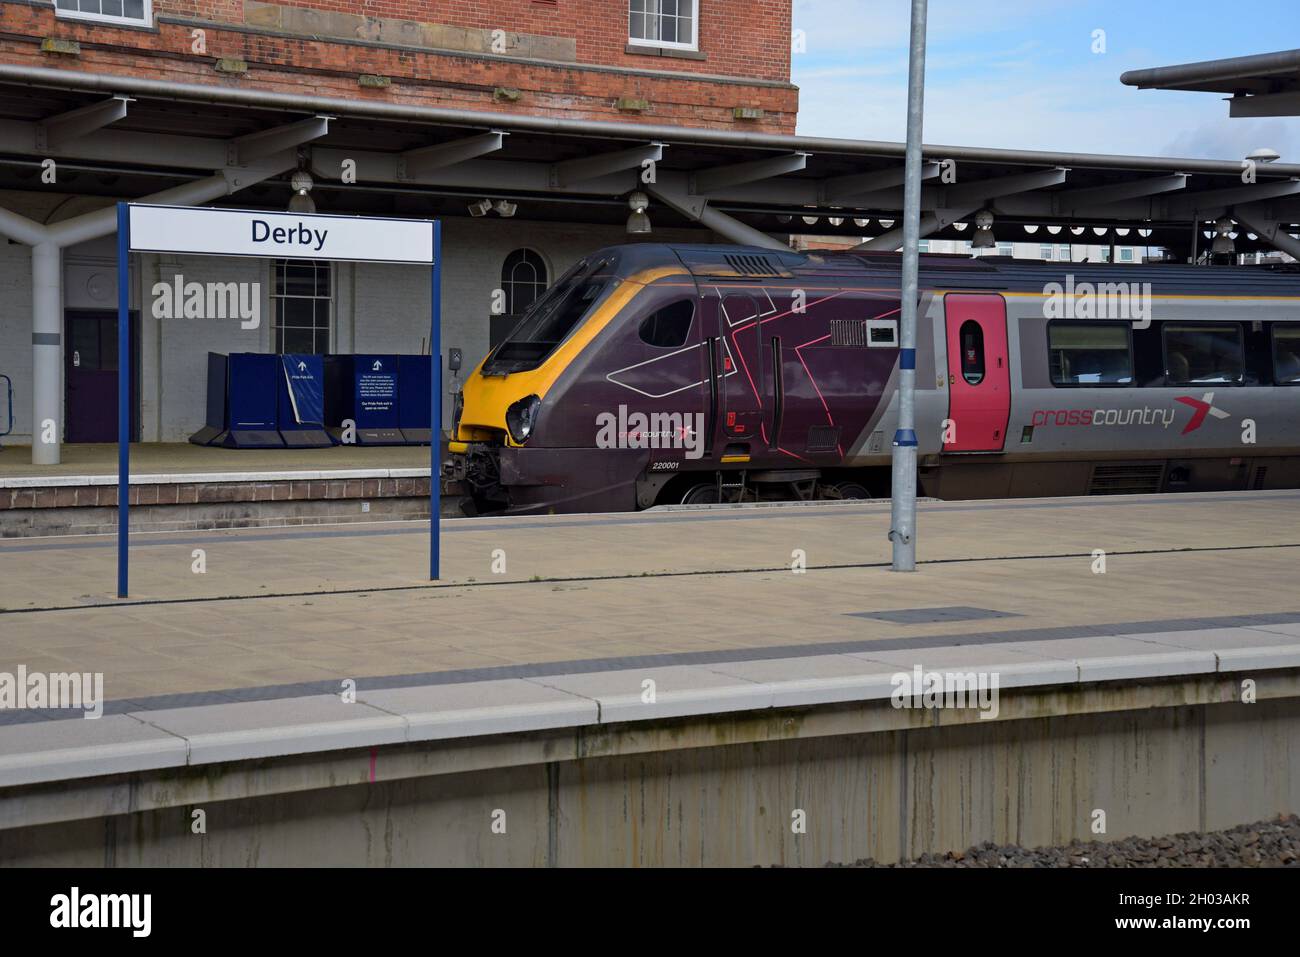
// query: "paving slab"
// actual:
[[1113, 658], [676, 691], [820, 679], [1015, 666], [1238, 649], [282, 726], [466, 709]]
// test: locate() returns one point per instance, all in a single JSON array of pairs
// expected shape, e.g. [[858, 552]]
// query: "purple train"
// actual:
[[653, 374]]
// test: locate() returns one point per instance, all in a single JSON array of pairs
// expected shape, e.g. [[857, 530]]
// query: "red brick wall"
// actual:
[[741, 39]]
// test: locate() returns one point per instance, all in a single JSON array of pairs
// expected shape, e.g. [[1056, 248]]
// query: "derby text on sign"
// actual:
[[242, 232]]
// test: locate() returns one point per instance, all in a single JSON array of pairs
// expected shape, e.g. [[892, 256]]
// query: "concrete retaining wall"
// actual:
[[1157, 757]]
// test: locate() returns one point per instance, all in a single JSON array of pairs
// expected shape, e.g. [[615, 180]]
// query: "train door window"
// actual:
[[971, 335], [668, 327], [1089, 353], [1203, 353], [1286, 354]]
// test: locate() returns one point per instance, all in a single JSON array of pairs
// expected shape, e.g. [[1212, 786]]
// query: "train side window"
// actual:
[[668, 327], [1203, 353], [1090, 353], [1286, 354], [971, 335]]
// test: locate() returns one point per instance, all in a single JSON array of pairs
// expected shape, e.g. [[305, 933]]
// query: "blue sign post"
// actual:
[[435, 411], [206, 231]]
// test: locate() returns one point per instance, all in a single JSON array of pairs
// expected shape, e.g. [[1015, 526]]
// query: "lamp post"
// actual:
[[902, 530]]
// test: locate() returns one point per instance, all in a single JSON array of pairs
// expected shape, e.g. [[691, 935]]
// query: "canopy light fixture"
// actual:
[[1223, 244], [481, 208], [638, 223], [983, 238], [300, 201]]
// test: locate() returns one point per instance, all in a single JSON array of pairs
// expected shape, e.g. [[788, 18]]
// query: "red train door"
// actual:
[[979, 373]]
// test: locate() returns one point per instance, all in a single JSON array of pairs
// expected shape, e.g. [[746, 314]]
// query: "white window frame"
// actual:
[[665, 44], [274, 296], [144, 21]]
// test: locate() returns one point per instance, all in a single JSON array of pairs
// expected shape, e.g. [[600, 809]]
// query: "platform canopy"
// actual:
[[127, 137], [1267, 84]]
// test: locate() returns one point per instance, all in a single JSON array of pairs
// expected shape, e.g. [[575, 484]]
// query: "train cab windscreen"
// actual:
[[552, 318]]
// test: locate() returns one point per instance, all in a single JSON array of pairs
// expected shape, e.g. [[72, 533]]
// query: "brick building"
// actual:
[[687, 62]]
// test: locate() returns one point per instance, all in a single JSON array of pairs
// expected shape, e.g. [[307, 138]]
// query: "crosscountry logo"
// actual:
[[1200, 408]]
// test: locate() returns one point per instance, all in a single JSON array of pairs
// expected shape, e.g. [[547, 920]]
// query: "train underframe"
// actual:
[[489, 479]]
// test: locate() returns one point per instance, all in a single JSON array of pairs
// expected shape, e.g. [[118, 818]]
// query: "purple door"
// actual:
[[741, 368], [90, 376]]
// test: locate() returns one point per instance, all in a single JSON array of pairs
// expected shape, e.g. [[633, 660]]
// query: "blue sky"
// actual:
[[1022, 73]]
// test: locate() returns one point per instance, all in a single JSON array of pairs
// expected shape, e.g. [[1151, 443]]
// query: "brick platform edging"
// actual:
[[169, 478], [197, 489]]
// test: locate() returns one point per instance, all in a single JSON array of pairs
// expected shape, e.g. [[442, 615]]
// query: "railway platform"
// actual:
[[716, 685]]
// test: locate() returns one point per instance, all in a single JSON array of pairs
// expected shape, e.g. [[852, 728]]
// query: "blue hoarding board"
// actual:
[[252, 397], [413, 388], [374, 379], [302, 400]]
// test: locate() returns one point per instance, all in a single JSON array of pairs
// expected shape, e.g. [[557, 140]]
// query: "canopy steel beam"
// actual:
[[424, 160], [979, 193], [1072, 200], [1273, 233], [737, 174], [697, 208], [254, 146], [1212, 202], [568, 172], [236, 98], [56, 131], [1266, 104], [930, 222], [842, 188]]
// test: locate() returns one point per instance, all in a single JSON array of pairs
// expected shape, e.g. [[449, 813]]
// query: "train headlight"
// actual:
[[520, 418]]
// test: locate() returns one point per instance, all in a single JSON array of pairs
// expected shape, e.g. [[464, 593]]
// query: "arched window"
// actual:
[[523, 279]]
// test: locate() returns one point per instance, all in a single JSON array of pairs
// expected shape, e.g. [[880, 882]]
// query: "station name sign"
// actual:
[[241, 232]]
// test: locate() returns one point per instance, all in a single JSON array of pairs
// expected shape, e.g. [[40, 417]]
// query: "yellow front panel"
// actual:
[[488, 397]]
